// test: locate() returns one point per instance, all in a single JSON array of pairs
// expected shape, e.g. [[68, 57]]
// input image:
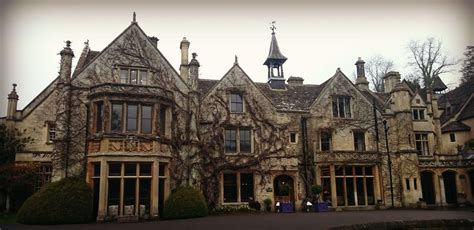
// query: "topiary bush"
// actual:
[[185, 202], [67, 201]]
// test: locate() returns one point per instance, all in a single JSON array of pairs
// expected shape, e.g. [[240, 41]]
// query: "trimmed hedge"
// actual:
[[185, 202], [68, 201]]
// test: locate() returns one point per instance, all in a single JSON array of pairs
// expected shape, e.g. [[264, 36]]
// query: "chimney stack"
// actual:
[[390, 80], [184, 68], [194, 72], [361, 81], [295, 81], [66, 62], [154, 40], [12, 104]]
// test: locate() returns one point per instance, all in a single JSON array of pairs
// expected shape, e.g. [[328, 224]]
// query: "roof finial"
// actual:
[[236, 61], [14, 86], [86, 42], [68, 43], [273, 27], [134, 17]]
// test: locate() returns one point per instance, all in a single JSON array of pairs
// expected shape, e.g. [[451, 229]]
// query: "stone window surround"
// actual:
[[237, 140], [238, 187], [50, 132], [295, 133], [345, 98], [418, 114], [364, 146], [241, 94], [423, 139], [329, 132], [154, 117], [139, 70]]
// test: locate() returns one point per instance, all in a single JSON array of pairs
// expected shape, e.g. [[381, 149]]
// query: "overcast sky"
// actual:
[[316, 36]]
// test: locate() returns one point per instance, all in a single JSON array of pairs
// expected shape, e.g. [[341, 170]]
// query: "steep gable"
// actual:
[[132, 48]]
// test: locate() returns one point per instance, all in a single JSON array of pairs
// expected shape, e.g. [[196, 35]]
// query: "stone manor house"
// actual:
[[137, 128]]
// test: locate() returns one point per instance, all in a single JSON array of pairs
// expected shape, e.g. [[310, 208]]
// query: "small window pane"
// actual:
[[246, 187], [245, 141], [146, 119], [131, 169], [230, 187], [230, 141], [132, 112], [163, 120], [133, 77], [99, 116], [293, 137], [96, 169], [115, 169], [145, 169], [452, 137], [236, 103], [124, 76], [143, 77], [162, 168], [325, 141], [116, 124]]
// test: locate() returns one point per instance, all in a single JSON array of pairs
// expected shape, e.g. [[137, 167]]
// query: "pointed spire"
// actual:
[[274, 54], [236, 61], [134, 17]]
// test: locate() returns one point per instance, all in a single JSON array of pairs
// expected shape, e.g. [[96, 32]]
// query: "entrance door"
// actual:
[[427, 187], [281, 184], [450, 190]]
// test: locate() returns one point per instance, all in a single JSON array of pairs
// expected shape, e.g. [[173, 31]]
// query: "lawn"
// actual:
[[7, 218]]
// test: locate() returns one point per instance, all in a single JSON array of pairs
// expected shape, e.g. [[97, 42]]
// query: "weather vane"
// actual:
[[273, 27]]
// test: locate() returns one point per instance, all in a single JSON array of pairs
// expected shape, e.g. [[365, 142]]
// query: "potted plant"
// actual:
[[268, 204], [319, 206], [285, 205]]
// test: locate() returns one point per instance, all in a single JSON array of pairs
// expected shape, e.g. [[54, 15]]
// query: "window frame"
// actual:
[[138, 78], [422, 140], [237, 140], [357, 139], [329, 133], [241, 103], [344, 102], [452, 137], [50, 132], [418, 114], [238, 187], [296, 137]]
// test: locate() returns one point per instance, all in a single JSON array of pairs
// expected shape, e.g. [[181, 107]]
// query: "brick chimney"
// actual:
[[361, 81], [295, 81], [390, 80], [193, 72], [66, 62], [12, 104], [184, 68]]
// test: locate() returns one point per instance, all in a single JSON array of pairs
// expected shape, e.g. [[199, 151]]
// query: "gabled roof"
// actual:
[[467, 111], [455, 99], [274, 54], [294, 98], [455, 126]]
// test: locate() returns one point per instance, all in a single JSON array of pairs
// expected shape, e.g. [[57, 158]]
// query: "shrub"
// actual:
[[63, 202], [268, 204], [316, 191], [255, 205], [231, 209], [185, 202]]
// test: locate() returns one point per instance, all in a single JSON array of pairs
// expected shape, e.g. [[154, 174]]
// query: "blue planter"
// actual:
[[287, 208], [321, 207]]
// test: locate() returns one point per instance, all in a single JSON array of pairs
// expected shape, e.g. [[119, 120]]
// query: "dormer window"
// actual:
[[134, 76], [236, 103], [341, 106]]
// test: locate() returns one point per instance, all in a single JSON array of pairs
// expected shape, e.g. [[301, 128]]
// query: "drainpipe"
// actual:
[[304, 138]]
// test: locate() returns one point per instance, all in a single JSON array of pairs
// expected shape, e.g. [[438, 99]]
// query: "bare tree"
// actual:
[[468, 66], [428, 59], [377, 66]]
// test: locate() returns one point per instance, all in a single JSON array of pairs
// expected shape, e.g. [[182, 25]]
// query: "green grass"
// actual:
[[7, 218]]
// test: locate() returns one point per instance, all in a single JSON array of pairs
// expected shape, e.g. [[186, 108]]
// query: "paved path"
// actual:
[[292, 221]]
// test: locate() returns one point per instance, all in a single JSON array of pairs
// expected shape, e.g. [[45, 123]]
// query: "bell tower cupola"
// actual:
[[274, 62]]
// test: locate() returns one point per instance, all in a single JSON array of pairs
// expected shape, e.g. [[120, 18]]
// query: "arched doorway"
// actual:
[[280, 184], [450, 191], [427, 187]]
